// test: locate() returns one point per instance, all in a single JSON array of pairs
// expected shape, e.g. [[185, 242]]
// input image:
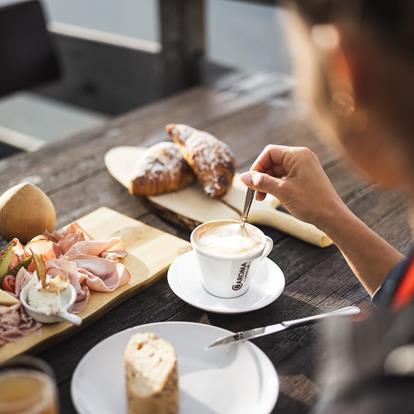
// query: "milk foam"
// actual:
[[228, 239]]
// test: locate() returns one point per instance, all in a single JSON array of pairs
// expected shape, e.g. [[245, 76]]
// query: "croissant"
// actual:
[[160, 170], [212, 160]]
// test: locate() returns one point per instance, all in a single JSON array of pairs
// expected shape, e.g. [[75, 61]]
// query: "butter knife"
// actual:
[[267, 330]]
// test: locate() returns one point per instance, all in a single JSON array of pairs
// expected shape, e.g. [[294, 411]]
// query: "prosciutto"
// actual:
[[64, 239], [93, 247], [89, 265], [22, 277], [14, 323], [87, 272]]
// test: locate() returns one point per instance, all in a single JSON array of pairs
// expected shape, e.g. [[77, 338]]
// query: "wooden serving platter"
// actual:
[[190, 206], [150, 253]]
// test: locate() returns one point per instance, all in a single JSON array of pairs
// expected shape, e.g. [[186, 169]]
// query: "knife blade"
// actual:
[[268, 330]]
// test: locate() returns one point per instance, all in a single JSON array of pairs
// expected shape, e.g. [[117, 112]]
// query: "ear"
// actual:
[[350, 62], [327, 40]]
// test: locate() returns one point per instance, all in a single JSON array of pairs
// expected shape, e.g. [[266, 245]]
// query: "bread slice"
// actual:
[[151, 375]]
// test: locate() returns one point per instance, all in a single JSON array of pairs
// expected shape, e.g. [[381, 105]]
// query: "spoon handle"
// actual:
[[247, 204], [70, 317]]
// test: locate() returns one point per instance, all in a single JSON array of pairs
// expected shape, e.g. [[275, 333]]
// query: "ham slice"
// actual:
[[93, 247], [64, 239], [114, 255], [100, 274], [86, 272], [87, 264], [22, 277], [14, 323]]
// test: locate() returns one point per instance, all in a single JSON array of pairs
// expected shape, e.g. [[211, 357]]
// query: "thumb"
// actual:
[[262, 183]]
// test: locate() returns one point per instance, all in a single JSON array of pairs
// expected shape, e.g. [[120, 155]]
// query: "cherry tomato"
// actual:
[[9, 283]]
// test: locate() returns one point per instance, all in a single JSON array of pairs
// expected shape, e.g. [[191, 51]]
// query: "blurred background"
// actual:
[[116, 55]]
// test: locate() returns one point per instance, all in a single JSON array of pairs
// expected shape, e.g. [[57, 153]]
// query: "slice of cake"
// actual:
[[151, 375]]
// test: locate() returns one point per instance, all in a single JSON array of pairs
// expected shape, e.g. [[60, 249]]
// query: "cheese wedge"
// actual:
[[151, 375], [7, 299]]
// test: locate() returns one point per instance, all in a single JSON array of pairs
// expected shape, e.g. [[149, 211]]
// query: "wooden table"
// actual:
[[247, 111]]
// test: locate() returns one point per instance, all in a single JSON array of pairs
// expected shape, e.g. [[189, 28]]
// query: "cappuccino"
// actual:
[[228, 255], [228, 239]]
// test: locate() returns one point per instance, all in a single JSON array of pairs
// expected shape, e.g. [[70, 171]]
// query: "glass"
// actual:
[[27, 386]]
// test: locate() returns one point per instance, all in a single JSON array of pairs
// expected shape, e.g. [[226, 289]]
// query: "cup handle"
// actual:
[[268, 248]]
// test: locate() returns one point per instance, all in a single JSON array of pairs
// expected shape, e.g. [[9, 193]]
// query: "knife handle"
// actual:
[[290, 225], [347, 311]]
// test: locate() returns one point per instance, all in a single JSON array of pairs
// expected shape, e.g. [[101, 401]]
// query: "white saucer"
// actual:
[[265, 287], [236, 379]]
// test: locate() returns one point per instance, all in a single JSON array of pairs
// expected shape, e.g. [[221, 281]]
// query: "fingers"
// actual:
[[262, 183], [260, 196], [272, 168], [271, 158], [269, 162]]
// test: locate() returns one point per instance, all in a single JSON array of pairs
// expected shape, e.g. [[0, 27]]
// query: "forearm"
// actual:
[[294, 175], [370, 257]]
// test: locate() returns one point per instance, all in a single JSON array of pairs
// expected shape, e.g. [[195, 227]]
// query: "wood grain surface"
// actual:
[[192, 205], [247, 111], [150, 253]]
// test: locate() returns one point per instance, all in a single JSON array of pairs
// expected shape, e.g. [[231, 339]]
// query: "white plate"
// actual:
[[235, 379], [265, 287]]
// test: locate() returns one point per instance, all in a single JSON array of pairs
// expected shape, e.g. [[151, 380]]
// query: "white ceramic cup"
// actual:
[[226, 276]]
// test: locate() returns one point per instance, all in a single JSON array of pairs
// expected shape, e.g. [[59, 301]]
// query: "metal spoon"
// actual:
[[247, 204]]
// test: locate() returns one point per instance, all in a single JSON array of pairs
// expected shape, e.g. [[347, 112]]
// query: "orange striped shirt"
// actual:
[[404, 293]]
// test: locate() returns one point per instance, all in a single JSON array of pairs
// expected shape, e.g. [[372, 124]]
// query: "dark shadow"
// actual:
[[7, 150], [289, 405]]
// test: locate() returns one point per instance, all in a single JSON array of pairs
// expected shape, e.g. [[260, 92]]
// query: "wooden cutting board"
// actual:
[[190, 206], [150, 253]]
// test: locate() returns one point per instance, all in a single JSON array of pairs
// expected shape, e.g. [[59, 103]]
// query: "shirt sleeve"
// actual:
[[382, 297]]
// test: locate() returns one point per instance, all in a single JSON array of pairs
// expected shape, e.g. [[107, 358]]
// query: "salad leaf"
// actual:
[[24, 263]]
